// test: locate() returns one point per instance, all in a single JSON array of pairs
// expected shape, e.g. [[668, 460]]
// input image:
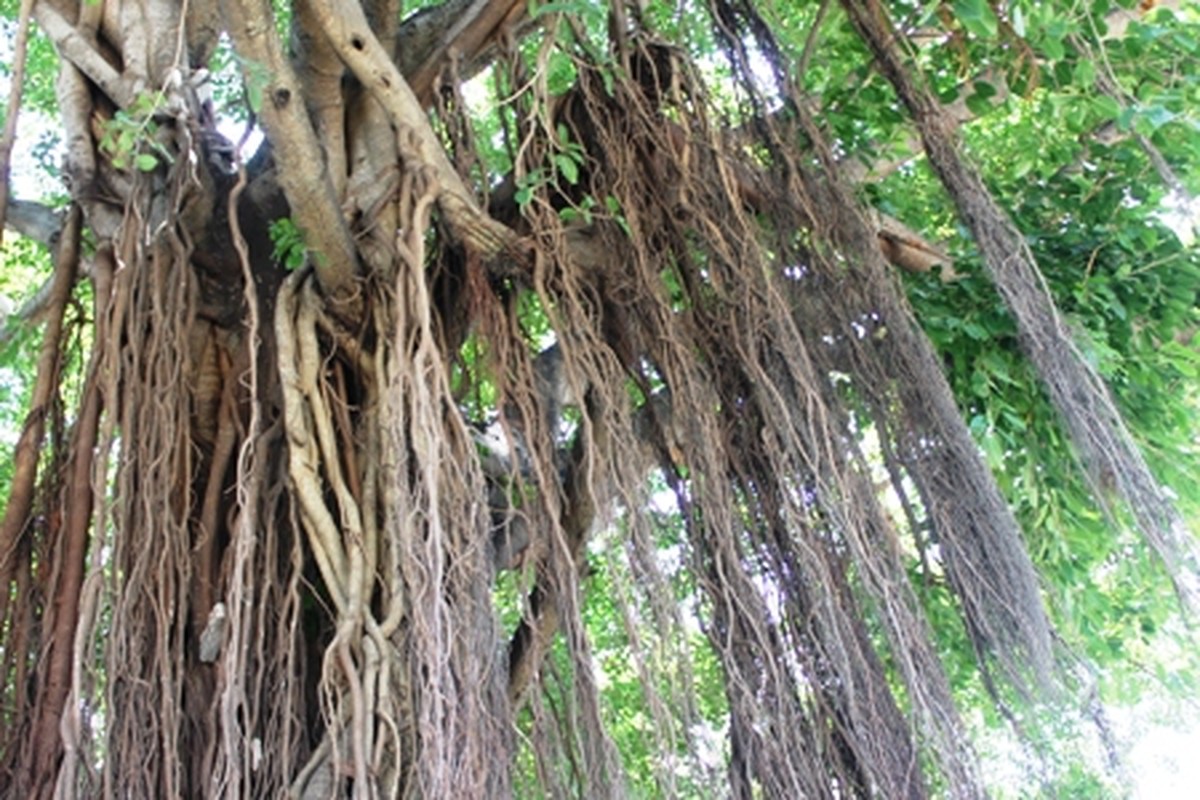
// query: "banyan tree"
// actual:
[[410, 380]]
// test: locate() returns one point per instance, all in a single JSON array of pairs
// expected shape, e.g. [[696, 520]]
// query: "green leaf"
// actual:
[[995, 366], [977, 17], [1018, 20], [1085, 73], [1076, 117], [975, 331], [979, 105], [1053, 48], [146, 162], [993, 448], [567, 168], [1158, 116], [984, 89], [254, 96], [1106, 107]]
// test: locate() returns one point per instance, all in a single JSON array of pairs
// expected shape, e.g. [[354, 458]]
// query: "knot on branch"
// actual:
[[503, 251]]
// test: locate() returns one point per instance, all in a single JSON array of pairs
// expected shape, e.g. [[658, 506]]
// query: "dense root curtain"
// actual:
[[270, 542], [412, 683]]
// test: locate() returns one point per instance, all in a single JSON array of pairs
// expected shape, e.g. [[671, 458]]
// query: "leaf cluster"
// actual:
[[130, 138]]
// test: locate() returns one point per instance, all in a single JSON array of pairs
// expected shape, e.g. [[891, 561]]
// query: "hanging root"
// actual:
[[735, 405], [1110, 457], [685, 346]]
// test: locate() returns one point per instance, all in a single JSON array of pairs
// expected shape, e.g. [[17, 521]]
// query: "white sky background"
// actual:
[[1159, 746], [28, 180], [1164, 760]]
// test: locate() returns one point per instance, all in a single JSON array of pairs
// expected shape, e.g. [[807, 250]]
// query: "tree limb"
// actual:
[[459, 28], [31, 312], [351, 35], [302, 169], [17, 85], [321, 74], [74, 47], [34, 221]]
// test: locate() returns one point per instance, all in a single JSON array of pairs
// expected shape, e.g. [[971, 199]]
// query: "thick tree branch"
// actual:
[[302, 169], [460, 29], [17, 86], [71, 552], [34, 221], [354, 41], [905, 248], [321, 75], [32, 312], [75, 48], [75, 107]]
